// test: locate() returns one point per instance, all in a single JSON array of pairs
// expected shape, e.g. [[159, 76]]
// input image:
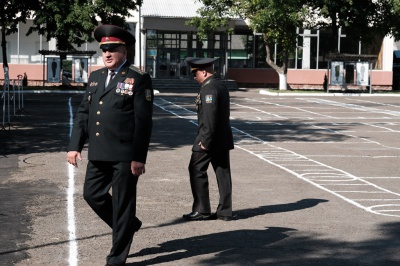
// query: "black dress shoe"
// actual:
[[193, 216], [137, 225], [215, 216], [225, 218]]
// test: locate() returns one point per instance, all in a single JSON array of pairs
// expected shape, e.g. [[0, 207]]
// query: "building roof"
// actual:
[[171, 8]]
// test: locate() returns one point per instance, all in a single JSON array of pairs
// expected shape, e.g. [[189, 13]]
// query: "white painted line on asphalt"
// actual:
[[322, 186], [377, 103], [358, 191], [73, 245], [385, 128], [355, 137], [291, 107], [174, 109], [380, 177], [353, 106], [377, 199], [259, 111]]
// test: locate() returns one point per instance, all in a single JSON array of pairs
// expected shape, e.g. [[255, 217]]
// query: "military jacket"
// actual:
[[213, 112], [117, 119]]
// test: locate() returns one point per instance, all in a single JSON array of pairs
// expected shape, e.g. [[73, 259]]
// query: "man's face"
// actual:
[[114, 57], [199, 75]]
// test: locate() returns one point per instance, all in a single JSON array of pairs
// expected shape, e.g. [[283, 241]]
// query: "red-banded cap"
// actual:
[[110, 36]]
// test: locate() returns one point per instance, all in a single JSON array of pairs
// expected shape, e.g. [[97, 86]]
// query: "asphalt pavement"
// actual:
[[315, 182]]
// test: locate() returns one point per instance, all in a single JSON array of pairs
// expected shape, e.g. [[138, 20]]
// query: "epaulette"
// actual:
[[136, 69], [103, 70]]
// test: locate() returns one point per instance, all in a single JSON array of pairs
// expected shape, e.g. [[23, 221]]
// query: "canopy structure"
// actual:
[[56, 66], [351, 57], [350, 70]]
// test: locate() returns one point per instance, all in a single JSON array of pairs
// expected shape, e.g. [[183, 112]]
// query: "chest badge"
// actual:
[[124, 88]]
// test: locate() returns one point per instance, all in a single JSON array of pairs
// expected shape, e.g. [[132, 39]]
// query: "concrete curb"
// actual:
[[267, 92]]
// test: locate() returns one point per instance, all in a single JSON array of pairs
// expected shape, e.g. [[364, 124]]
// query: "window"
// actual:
[[241, 51]]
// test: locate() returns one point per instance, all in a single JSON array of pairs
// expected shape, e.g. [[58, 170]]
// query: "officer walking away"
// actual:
[[213, 142], [115, 116]]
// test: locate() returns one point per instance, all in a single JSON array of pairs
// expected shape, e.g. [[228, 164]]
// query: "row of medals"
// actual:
[[124, 88]]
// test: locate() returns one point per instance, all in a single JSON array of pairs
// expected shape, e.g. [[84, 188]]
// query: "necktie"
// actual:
[[111, 75]]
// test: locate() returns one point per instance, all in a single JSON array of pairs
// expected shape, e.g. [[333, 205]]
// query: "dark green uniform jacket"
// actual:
[[213, 111], [117, 120]]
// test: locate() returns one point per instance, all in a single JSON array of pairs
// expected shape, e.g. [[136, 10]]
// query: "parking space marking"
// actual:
[[259, 111], [385, 129], [325, 177], [377, 103], [291, 107], [353, 106]]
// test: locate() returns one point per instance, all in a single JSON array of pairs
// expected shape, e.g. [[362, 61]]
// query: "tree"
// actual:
[[73, 21], [362, 20], [276, 20], [14, 12], [393, 19], [69, 23]]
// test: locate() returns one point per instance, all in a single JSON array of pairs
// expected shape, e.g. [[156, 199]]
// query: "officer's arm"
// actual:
[[143, 104], [79, 129], [210, 115]]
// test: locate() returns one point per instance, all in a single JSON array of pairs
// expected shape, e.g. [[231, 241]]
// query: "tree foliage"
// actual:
[[361, 20], [73, 21], [277, 20], [14, 12], [393, 19]]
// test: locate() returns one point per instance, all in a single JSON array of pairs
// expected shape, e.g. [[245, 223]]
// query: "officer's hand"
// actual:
[[71, 157], [137, 168], [202, 147]]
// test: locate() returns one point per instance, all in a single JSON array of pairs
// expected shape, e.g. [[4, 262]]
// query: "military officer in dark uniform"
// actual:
[[212, 145], [115, 116]]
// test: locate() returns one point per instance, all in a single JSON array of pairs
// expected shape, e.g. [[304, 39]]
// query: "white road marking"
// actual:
[[291, 107], [382, 127], [73, 245], [354, 107], [259, 111], [376, 103], [316, 173]]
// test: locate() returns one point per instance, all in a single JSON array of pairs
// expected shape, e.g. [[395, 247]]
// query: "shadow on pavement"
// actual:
[[277, 246]]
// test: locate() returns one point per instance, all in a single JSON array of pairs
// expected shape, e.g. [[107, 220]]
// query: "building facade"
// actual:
[[163, 41]]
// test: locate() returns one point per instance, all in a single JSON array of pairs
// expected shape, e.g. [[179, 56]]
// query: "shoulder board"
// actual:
[[136, 69], [103, 70]]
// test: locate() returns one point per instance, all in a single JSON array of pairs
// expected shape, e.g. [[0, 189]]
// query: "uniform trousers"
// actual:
[[117, 210], [198, 166]]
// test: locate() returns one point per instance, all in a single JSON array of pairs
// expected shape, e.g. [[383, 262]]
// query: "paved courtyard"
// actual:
[[315, 182]]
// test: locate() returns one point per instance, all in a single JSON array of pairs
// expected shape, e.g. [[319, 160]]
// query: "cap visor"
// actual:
[[108, 46]]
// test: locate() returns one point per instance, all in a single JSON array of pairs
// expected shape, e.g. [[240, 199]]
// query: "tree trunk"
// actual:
[[282, 71], [4, 46], [282, 82], [4, 51]]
